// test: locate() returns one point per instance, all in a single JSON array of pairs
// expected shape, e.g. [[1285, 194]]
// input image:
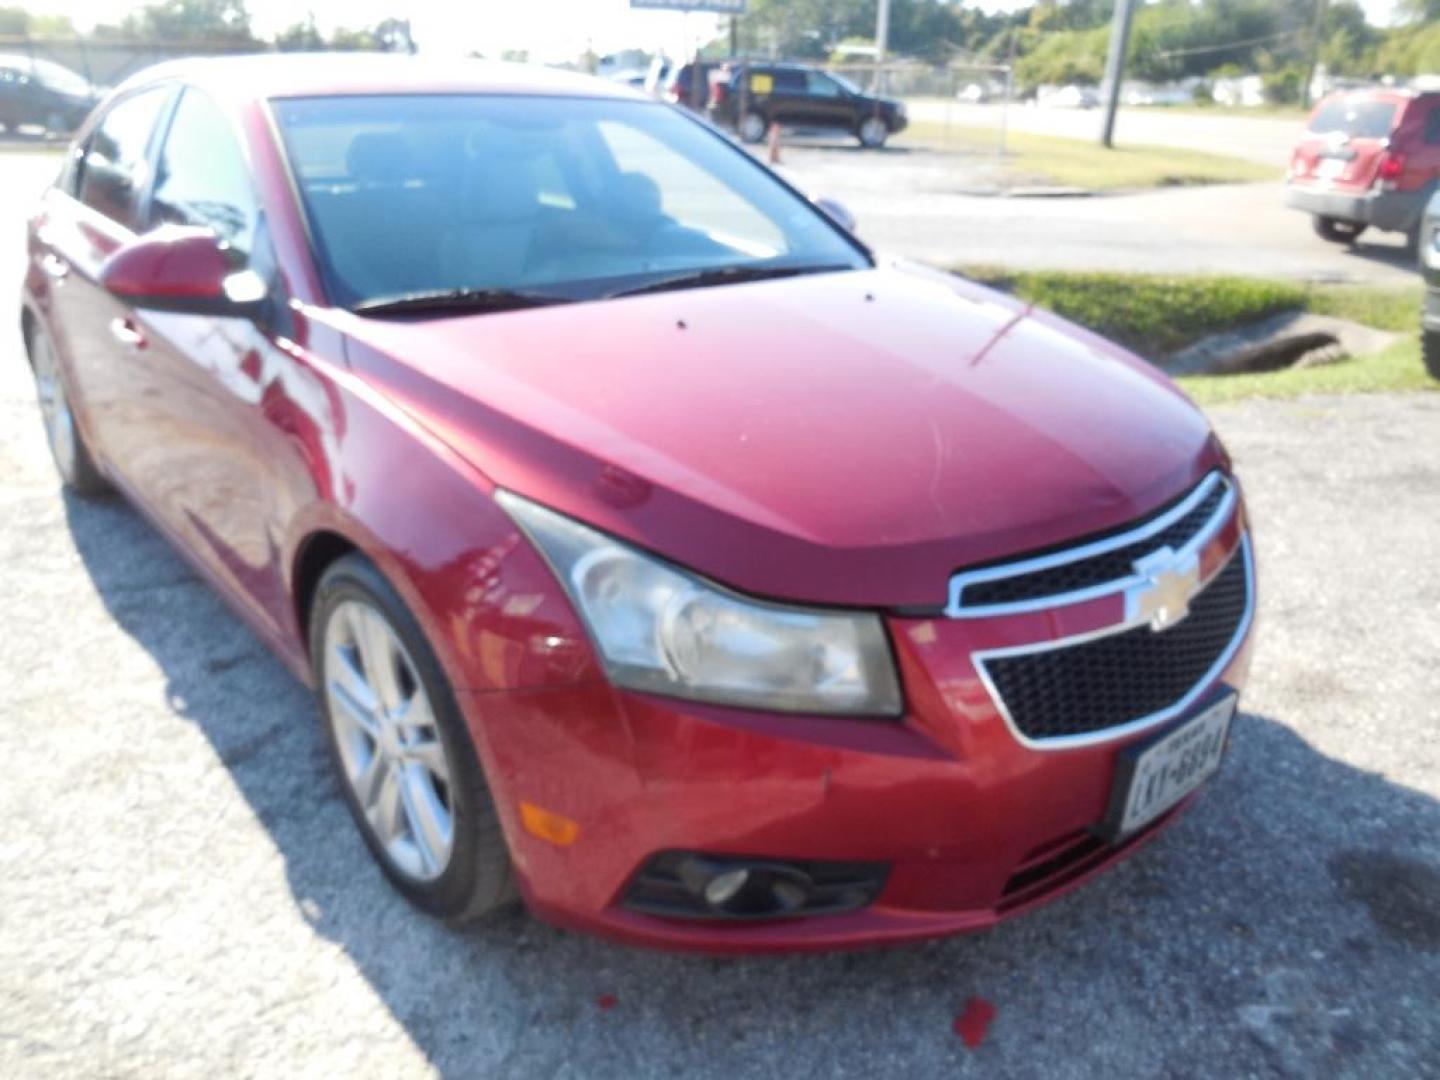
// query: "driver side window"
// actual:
[[201, 178], [115, 170]]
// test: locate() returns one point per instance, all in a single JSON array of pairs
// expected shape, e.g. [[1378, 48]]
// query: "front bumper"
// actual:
[[1395, 211], [1430, 319], [974, 824]]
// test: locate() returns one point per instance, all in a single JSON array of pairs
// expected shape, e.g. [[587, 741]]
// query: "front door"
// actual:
[[109, 381]]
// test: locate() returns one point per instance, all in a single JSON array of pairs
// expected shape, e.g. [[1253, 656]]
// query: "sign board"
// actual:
[[719, 7]]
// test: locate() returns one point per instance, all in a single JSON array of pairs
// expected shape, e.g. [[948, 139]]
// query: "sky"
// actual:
[[548, 29]]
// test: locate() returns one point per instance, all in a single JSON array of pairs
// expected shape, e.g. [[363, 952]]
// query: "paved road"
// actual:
[[182, 893], [922, 204], [1265, 139]]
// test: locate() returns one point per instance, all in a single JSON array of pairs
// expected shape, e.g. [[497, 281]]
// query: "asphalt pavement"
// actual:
[[944, 208], [182, 892]]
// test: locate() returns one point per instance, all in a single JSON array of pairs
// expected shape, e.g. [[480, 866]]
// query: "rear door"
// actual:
[[1346, 140], [788, 95], [828, 105], [1420, 130]]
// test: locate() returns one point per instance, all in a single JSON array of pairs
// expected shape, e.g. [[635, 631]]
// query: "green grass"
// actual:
[[1262, 112], [1080, 163], [1397, 368], [1155, 315], [1383, 308], [1151, 314]]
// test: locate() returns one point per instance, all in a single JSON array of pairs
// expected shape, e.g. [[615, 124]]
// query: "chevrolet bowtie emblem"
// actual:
[[1169, 582]]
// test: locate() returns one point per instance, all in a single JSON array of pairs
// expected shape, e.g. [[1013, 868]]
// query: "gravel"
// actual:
[[182, 893]]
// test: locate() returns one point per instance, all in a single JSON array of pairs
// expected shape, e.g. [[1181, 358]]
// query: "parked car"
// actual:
[[1073, 96], [1368, 159], [41, 93], [749, 97], [1429, 245], [677, 87], [655, 550]]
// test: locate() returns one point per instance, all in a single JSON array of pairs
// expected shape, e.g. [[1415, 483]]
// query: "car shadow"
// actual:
[[1272, 928], [1389, 251]]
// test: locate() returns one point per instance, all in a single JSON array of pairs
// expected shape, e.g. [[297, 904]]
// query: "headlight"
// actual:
[[666, 631]]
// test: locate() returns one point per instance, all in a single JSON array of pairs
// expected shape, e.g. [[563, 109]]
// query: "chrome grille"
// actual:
[[1087, 570]]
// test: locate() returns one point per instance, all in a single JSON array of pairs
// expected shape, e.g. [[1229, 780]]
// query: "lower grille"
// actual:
[[1123, 678]]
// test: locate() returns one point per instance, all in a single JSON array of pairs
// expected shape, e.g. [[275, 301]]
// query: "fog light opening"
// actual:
[[752, 890], [722, 888], [691, 884]]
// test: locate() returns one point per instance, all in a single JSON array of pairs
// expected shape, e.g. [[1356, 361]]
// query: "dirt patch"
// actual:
[[1290, 339], [1402, 895]]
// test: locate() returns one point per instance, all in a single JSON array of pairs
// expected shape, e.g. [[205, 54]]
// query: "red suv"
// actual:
[[1368, 158]]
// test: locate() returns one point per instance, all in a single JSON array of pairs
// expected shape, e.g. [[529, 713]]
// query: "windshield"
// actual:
[[1357, 119], [565, 197], [846, 83]]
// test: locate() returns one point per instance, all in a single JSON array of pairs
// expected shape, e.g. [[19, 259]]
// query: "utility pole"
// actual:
[[882, 39], [1314, 58], [1115, 66]]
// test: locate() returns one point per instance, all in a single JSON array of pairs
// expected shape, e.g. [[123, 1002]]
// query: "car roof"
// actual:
[[262, 76], [1394, 94]]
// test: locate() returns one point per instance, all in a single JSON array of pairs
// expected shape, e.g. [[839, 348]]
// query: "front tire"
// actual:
[[1336, 231], [407, 767], [873, 133], [72, 457], [1430, 351]]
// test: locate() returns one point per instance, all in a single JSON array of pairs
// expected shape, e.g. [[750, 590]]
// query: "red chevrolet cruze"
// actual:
[[656, 550]]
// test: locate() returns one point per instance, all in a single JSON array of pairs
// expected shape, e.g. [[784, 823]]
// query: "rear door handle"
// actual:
[[127, 333], [54, 266]]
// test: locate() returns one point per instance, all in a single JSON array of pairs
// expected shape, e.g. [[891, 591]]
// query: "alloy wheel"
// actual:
[[54, 406], [390, 749]]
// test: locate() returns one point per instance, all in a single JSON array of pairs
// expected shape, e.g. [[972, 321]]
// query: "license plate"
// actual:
[[1154, 776], [1331, 168]]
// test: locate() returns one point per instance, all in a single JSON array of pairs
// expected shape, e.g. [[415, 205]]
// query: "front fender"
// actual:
[[488, 603]]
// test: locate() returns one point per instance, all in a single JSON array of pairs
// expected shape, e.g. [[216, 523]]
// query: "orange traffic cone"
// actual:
[[774, 144]]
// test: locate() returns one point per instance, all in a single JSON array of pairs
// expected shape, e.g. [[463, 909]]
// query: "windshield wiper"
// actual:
[[444, 300], [726, 275]]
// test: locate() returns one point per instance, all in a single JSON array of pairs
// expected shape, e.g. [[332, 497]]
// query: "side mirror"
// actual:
[[182, 269], [837, 212]]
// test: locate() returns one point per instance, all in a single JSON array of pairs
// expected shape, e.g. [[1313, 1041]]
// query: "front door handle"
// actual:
[[127, 333], [54, 266]]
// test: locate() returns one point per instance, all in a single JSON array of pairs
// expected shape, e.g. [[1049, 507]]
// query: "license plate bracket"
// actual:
[[1153, 776]]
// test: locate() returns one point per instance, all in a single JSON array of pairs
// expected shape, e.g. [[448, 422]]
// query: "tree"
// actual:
[[300, 37], [197, 21], [1421, 11], [393, 35], [388, 35]]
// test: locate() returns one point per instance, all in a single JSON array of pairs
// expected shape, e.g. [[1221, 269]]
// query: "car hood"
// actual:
[[849, 438]]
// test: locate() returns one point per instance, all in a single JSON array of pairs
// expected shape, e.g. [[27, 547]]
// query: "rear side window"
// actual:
[[1357, 119], [202, 178], [115, 170], [1432, 125], [789, 82]]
